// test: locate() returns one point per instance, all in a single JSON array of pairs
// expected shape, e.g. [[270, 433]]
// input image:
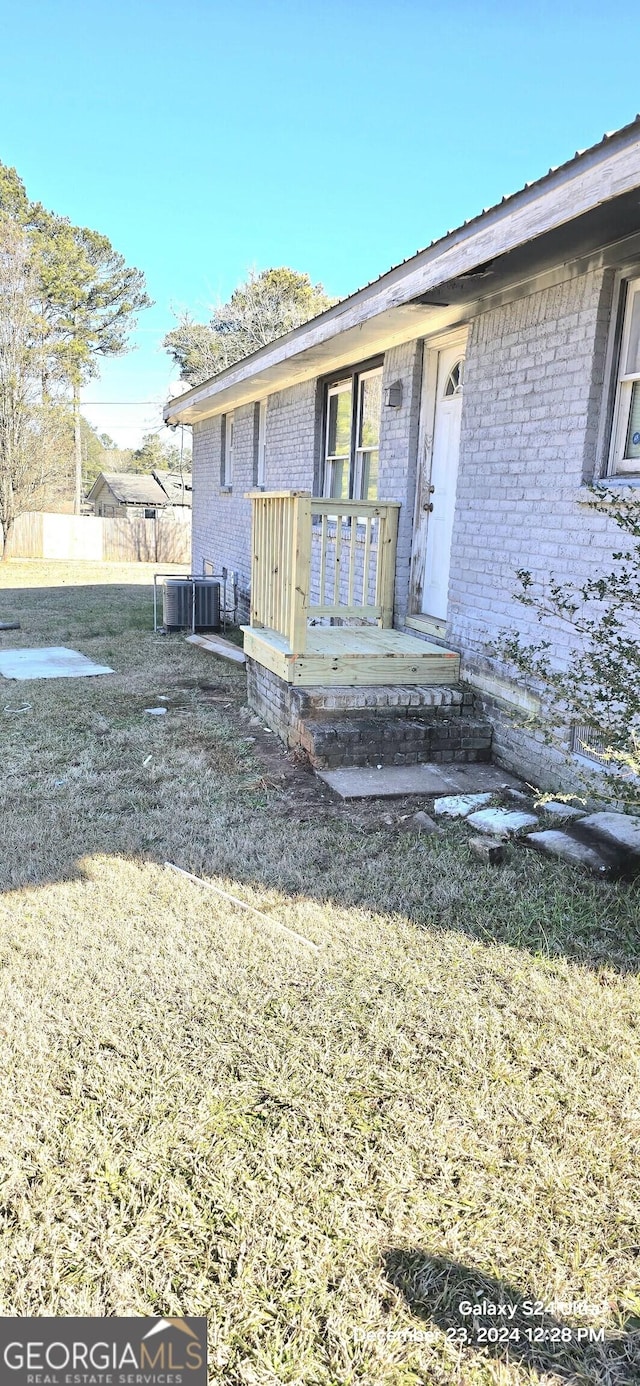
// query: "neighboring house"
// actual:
[[177, 486], [480, 386], [118, 494]]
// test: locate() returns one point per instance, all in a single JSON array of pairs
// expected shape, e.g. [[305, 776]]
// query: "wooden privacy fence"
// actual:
[[317, 559], [125, 539]]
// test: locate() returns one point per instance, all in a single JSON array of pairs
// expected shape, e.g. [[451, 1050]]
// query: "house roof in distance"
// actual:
[[586, 203], [178, 486], [131, 488]]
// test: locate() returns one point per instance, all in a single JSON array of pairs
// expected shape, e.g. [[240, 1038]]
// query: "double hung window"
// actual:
[[352, 436], [261, 443], [626, 429], [227, 451]]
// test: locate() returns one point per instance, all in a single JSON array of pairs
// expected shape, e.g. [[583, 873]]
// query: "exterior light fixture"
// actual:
[[393, 395]]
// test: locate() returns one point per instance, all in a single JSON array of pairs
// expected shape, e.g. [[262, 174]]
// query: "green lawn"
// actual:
[[325, 1153]]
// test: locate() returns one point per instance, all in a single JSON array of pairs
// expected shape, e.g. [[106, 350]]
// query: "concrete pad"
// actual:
[[459, 805], [499, 822], [394, 781], [49, 662], [554, 843], [618, 830]]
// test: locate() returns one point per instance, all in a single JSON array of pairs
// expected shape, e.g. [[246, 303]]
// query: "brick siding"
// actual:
[[533, 394], [532, 405]]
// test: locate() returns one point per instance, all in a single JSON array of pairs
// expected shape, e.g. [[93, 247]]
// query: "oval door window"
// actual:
[[455, 380]]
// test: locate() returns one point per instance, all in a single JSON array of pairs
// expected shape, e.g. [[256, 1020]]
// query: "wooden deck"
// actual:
[[316, 560], [343, 655]]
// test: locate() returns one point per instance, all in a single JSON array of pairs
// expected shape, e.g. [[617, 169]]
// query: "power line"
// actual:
[[121, 401]]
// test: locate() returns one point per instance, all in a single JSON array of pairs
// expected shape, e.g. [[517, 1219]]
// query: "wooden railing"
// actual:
[[315, 558]]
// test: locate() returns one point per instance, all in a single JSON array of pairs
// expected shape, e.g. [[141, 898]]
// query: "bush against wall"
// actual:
[[598, 687]]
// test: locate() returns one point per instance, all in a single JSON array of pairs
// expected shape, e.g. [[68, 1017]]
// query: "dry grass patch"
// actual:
[[323, 1154]]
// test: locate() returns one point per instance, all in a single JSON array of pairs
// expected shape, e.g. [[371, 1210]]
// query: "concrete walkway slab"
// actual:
[[394, 781], [49, 662]]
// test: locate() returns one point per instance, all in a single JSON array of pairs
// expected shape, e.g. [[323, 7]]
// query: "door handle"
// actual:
[[428, 505]]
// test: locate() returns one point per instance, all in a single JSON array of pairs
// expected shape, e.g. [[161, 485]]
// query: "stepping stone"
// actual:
[[563, 813], [555, 843], [617, 830], [518, 796], [459, 805], [499, 822]]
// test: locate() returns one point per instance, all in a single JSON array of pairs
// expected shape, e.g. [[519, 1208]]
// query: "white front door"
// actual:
[[440, 448]]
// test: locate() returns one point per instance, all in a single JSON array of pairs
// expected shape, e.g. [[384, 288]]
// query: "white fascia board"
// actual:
[[596, 177], [243, 386]]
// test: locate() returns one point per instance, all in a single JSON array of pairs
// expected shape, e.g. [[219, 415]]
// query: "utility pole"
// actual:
[[77, 446]]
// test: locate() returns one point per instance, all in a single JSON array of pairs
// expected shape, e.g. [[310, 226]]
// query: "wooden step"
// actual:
[[353, 655]]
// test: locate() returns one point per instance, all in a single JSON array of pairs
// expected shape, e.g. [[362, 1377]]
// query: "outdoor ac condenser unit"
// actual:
[[178, 596]]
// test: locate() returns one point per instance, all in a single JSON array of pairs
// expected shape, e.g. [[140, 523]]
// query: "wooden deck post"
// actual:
[[300, 574], [388, 540]]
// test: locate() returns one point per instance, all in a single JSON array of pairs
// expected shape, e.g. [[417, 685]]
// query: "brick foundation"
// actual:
[[371, 726]]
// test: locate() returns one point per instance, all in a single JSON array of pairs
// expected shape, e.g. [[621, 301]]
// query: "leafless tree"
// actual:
[[31, 419]]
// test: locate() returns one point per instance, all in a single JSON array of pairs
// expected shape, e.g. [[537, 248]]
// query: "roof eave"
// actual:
[[598, 175]]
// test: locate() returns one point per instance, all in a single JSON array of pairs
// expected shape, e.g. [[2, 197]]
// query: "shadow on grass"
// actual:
[[514, 1324]]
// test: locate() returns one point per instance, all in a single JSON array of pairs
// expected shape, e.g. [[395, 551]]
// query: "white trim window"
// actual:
[[337, 451], [625, 452], [368, 434], [227, 451], [261, 459], [352, 436]]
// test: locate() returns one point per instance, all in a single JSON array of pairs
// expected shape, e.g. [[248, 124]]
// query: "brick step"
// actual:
[[395, 740], [435, 703]]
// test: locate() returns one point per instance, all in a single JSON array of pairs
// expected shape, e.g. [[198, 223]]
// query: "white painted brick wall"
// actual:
[[534, 384], [222, 519], [532, 398]]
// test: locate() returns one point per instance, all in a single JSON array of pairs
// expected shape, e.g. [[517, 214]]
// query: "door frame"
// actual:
[[428, 399]]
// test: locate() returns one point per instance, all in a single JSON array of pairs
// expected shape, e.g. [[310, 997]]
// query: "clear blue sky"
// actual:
[[338, 138]]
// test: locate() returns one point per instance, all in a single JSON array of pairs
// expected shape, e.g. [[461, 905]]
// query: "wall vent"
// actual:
[[589, 742]]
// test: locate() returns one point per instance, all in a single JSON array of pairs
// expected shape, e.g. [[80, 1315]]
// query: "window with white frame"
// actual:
[[625, 451], [352, 436], [261, 445], [368, 434], [227, 450]]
